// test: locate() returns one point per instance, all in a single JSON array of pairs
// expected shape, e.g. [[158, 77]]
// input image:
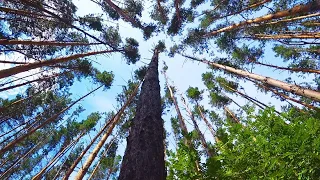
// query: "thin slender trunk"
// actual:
[[22, 12], [160, 8], [12, 62], [15, 102], [298, 90], [115, 119], [310, 7], [19, 69], [103, 155], [238, 12], [26, 122], [32, 81], [233, 116], [181, 120], [79, 158], [210, 127], [43, 43], [109, 174], [182, 123], [177, 9], [292, 19], [202, 139], [123, 14], [251, 99], [144, 155], [22, 78], [20, 159], [61, 166], [289, 69], [58, 155], [287, 36], [285, 96], [49, 120]]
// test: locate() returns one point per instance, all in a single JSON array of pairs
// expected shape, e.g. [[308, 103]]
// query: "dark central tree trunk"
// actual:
[[144, 155]]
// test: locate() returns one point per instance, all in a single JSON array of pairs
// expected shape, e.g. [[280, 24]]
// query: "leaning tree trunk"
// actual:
[[47, 121], [196, 127], [210, 127], [124, 15], [19, 69], [57, 156], [115, 119], [103, 155], [313, 6], [144, 155], [43, 43], [289, 69], [298, 90], [181, 120]]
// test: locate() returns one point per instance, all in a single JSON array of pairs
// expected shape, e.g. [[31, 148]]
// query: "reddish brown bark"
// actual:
[[310, 7], [287, 36], [298, 90], [103, 155], [19, 69], [123, 14]]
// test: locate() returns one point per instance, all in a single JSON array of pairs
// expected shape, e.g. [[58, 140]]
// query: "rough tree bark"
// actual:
[[144, 155]]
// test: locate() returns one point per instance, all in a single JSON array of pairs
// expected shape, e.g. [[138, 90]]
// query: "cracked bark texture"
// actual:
[[144, 155]]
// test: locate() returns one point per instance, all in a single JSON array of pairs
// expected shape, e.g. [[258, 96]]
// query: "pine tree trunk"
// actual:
[[58, 155], [298, 90], [49, 120], [22, 12], [32, 81], [287, 97], [104, 138], [289, 69], [238, 12], [210, 127], [292, 19], [310, 7], [123, 14], [19, 69], [103, 155], [233, 116], [287, 36], [161, 10], [181, 120], [144, 155], [43, 43], [18, 160], [12, 62], [79, 158], [196, 127]]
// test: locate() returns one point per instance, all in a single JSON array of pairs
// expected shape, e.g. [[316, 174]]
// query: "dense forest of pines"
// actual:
[[219, 132]]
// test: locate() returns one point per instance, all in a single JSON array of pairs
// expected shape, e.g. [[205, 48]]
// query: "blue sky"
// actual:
[[183, 73]]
